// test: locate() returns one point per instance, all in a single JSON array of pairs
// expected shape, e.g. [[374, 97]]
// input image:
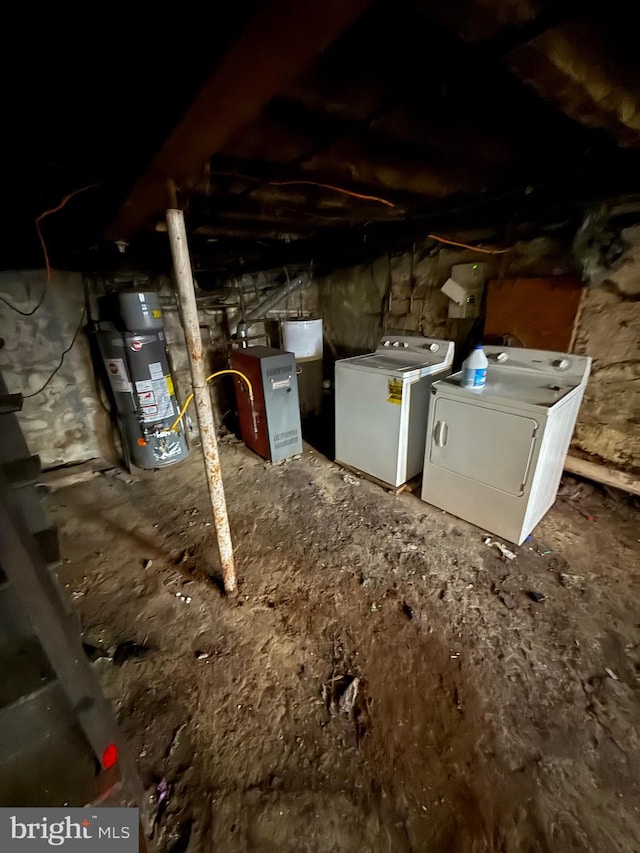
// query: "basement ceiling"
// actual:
[[293, 130]]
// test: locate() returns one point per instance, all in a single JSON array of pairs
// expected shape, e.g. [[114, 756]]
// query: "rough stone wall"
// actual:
[[360, 303], [403, 293], [64, 422], [609, 331], [393, 294]]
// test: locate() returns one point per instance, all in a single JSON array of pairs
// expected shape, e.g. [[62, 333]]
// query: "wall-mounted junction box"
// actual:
[[464, 288]]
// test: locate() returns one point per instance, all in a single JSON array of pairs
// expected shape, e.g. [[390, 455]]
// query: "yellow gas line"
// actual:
[[173, 427]]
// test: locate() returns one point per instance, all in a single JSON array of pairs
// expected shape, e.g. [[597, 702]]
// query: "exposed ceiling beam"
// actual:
[[282, 41], [574, 68]]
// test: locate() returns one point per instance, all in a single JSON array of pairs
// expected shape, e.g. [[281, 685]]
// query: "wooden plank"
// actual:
[[413, 485], [602, 474], [410, 486], [537, 313], [69, 475], [282, 41]]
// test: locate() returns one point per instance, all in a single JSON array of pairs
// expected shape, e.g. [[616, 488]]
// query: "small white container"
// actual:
[[474, 370], [303, 338]]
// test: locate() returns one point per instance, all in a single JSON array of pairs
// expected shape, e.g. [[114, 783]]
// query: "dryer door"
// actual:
[[488, 446]]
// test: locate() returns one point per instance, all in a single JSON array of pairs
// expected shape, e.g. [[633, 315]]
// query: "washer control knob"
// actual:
[[396, 344], [405, 345], [387, 343], [502, 357], [561, 363], [434, 347]]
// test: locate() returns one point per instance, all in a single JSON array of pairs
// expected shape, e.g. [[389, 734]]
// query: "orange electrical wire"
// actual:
[[306, 183], [335, 189], [467, 246], [48, 213]]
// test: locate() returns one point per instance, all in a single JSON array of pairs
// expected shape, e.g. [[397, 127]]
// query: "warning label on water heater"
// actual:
[[153, 396]]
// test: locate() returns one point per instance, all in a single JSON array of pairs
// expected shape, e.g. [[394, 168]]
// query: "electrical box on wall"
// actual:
[[464, 288]]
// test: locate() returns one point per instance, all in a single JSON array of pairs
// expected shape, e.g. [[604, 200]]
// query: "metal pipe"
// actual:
[[274, 297], [184, 285]]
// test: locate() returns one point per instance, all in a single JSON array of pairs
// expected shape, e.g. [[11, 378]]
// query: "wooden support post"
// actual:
[[189, 311]]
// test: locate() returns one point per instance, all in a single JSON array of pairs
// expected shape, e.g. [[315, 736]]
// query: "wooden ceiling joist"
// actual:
[[282, 42]]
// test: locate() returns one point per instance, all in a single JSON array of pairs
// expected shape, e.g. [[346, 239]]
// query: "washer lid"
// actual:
[[397, 363], [402, 355]]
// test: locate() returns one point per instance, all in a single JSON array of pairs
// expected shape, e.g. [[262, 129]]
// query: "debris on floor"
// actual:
[[350, 480], [506, 552], [538, 597], [361, 694]]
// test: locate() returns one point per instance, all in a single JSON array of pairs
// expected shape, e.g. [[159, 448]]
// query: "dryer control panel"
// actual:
[[573, 369]]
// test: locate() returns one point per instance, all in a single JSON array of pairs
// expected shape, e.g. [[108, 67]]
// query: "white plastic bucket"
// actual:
[[303, 338]]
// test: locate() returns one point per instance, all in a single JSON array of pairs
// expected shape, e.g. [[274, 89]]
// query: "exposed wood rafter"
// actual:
[[283, 41]]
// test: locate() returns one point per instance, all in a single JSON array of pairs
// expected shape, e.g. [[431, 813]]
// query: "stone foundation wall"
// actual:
[[64, 422], [608, 330], [403, 294]]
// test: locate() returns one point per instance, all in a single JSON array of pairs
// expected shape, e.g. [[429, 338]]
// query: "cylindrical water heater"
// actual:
[[132, 346]]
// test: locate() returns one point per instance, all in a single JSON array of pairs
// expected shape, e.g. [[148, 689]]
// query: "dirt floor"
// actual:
[[384, 682]]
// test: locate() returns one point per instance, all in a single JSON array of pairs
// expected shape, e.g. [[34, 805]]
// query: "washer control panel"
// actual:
[[429, 350]]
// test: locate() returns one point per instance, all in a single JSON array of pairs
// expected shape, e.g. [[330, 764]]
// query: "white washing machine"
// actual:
[[495, 457], [382, 406]]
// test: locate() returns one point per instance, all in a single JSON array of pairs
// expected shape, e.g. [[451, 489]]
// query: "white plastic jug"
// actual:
[[474, 370]]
